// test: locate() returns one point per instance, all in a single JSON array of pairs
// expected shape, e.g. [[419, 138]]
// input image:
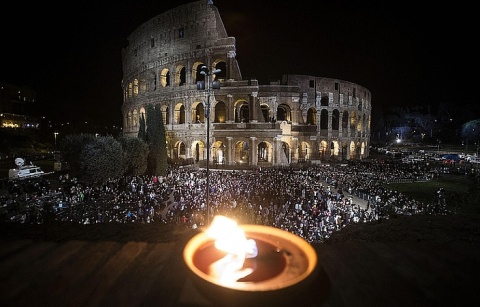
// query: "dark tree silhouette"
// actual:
[[141, 129], [156, 140]]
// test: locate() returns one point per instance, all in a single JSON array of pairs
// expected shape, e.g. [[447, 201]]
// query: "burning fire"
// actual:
[[232, 240]]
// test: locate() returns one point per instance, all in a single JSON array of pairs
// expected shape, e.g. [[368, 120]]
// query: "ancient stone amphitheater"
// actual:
[[183, 62]]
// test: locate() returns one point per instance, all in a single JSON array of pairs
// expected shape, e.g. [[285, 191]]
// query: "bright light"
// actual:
[[232, 240]]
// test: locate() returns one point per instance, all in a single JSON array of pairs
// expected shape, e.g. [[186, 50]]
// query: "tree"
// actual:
[[155, 135], [102, 159], [141, 129], [135, 153], [71, 149], [471, 130], [162, 163]]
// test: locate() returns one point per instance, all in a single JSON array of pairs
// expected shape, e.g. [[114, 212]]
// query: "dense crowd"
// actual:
[[313, 202]]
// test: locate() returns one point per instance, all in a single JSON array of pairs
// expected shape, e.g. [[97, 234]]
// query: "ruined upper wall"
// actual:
[[189, 31]]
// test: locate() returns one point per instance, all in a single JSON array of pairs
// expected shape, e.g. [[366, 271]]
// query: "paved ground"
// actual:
[[408, 261]]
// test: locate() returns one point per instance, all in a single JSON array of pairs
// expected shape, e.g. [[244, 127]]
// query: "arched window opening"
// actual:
[[335, 120], [135, 87], [324, 119], [345, 120], [311, 116], [265, 113], [165, 78], [283, 113], [199, 114], [223, 71], [183, 77], [262, 152], [324, 101], [220, 113]]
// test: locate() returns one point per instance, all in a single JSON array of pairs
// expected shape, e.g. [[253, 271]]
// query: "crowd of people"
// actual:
[[312, 202]]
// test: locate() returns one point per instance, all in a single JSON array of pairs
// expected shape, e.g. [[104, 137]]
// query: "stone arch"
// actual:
[[242, 111], [242, 152], [198, 151], [343, 150], [220, 112], [135, 87], [265, 108], [135, 118], [285, 153], [164, 78], [179, 150], [335, 119], [323, 149], [264, 152], [324, 119], [219, 152], [179, 113], [284, 112], [142, 84], [334, 149], [142, 111], [220, 64], [324, 101], [359, 123], [352, 150], [197, 76], [305, 151], [353, 120], [180, 75], [129, 119], [311, 116], [345, 120], [198, 112], [130, 90]]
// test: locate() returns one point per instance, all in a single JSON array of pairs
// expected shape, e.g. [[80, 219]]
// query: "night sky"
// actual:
[[404, 53]]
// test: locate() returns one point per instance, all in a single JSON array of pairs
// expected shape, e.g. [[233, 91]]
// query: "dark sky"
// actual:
[[404, 53]]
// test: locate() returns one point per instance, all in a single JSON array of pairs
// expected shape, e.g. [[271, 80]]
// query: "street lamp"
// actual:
[[55, 134], [205, 85]]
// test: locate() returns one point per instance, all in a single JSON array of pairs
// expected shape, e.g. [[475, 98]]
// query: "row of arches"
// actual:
[[197, 114], [152, 81], [242, 152], [241, 112]]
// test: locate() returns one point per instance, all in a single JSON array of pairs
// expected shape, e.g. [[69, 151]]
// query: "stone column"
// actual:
[[230, 151], [253, 151], [230, 64], [230, 112], [253, 107], [276, 160]]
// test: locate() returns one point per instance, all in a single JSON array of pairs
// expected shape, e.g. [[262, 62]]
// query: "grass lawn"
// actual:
[[425, 191]]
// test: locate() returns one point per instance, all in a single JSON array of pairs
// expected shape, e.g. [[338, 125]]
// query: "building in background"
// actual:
[[296, 119], [17, 104]]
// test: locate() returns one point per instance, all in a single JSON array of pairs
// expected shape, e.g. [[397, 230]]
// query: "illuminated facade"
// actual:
[[298, 118], [15, 103]]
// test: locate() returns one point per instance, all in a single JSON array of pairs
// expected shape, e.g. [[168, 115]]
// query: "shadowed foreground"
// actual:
[[406, 261]]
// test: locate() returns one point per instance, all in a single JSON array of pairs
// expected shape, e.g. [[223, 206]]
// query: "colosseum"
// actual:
[[183, 62]]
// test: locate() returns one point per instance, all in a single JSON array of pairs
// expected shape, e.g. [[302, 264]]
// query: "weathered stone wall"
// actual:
[[299, 118]]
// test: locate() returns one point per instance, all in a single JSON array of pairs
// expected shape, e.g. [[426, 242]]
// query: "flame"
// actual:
[[231, 239]]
